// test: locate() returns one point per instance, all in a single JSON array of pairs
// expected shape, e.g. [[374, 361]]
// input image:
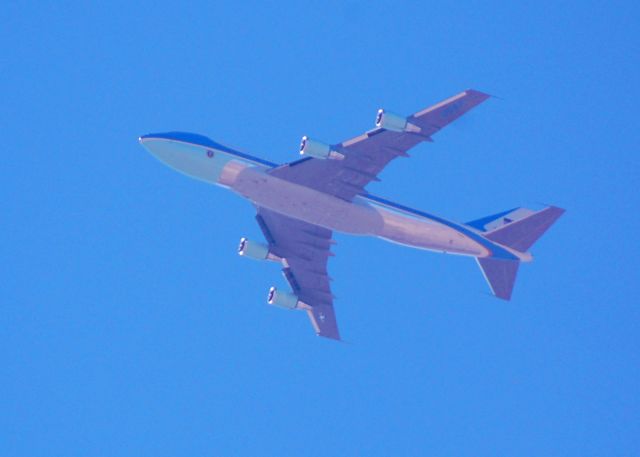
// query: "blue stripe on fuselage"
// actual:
[[495, 249], [201, 140]]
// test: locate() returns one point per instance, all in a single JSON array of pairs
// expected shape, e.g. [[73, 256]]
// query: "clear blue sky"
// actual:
[[129, 326]]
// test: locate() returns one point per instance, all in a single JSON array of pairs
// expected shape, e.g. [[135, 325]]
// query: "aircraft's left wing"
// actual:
[[364, 156], [304, 249]]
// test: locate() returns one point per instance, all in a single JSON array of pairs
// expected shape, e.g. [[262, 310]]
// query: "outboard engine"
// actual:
[[282, 299], [394, 122], [318, 150], [253, 249]]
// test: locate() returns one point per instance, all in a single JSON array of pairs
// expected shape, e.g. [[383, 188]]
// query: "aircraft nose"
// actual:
[[175, 151], [155, 145]]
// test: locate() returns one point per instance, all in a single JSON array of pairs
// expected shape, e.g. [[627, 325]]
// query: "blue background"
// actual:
[[128, 324]]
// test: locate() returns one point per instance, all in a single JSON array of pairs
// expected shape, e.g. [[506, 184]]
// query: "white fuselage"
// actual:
[[362, 216], [365, 215]]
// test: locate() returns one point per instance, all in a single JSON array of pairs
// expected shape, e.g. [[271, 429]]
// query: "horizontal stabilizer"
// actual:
[[500, 274], [521, 234], [495, 221]]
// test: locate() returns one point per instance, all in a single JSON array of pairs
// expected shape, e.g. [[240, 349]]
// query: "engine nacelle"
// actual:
[[318, 150], [253, 249], [282, 299], [395, 123]]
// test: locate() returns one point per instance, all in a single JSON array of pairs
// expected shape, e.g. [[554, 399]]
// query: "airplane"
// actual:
[[300, 204]]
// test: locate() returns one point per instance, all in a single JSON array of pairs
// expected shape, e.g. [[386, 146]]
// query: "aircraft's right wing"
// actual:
[[304, 249], [366, 155]]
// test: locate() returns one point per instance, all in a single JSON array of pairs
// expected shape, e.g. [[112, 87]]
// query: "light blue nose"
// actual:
[[195, 160]]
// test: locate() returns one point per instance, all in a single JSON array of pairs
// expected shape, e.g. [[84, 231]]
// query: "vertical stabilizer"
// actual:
[[500, 274]]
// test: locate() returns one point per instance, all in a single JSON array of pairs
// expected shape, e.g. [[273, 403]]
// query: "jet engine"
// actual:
[[282, 299], [393, 122], [253, 249], [318, 150]]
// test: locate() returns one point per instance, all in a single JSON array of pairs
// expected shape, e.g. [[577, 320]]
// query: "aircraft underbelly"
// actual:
[[426, 234], [304, 203], [359, 218]]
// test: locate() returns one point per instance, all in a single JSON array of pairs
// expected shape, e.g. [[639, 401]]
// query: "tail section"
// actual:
[[517, 229], [521, 234], [489, 223], [500, 274]]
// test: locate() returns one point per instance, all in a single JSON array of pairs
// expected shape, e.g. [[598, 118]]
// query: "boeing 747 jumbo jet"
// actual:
[[300, 204]]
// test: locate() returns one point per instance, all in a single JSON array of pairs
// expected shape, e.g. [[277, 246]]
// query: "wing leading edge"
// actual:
[[304, 249]]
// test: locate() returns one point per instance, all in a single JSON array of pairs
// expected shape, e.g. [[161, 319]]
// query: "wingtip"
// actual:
[[478, 93], [494, 296], [335, 337], [503, 296], [484, 95]]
